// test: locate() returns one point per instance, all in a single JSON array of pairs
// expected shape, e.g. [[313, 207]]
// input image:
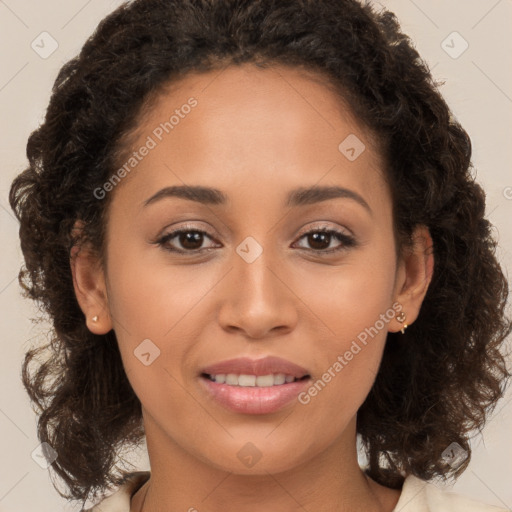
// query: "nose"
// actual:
[[258, 299]]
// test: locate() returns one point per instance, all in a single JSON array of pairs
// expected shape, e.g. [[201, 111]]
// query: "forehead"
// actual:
[[250, 125]]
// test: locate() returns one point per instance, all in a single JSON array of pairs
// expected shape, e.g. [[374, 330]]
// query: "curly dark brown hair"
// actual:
[[436, 384]]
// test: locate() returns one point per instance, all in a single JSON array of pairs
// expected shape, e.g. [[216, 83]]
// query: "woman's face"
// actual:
[[262, 280]]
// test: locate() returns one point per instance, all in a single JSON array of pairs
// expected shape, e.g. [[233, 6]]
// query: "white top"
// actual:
[[417, 496]]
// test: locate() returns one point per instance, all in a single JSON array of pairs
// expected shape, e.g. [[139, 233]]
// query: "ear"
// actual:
[[414, 274], [89, 284]]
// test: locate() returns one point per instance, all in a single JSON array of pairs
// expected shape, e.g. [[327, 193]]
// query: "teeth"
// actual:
[[231, 379], [249, 380], [261, 381]]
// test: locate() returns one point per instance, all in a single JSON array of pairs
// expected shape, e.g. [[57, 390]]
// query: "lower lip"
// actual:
[[252, 399]]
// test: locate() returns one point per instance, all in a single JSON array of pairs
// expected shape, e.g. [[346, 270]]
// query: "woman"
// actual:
[[256, 230]]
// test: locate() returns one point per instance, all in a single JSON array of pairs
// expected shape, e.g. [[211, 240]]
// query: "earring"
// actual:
[[95, 318], [401, 318]]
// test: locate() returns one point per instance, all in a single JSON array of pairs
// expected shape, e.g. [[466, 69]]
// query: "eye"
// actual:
[[320, 240], [191, 240]]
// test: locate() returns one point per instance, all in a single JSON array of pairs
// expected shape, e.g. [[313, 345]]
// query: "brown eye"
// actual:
[[188, 240], [320, 240], [191, 240]]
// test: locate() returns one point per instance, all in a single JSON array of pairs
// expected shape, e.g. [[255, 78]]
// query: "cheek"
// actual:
[[357, 311], [347, 362], [148, 299], [351, 296], [154, 311]]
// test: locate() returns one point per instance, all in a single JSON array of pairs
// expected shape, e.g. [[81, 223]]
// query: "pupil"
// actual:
[[316, 236], [192, 238]]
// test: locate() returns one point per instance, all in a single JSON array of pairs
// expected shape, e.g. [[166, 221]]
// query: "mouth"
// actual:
[[261, 372], [258, 381], [253, 394], [254, 386]]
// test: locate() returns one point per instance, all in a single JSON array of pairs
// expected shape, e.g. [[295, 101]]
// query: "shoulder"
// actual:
[[119, 501], [421, 496]]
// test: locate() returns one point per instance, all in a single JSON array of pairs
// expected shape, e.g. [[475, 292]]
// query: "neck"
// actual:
[[332, 480]]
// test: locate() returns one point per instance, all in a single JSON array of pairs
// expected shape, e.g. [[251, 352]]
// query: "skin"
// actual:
[[255, 134]]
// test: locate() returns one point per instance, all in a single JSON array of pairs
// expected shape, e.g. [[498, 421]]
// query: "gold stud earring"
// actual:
[[401, 318], [95, 318]]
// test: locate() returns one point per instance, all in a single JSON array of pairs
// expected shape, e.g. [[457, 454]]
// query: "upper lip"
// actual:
[[262, 366]]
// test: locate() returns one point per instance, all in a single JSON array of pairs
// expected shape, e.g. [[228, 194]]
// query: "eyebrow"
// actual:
[[302, 196]]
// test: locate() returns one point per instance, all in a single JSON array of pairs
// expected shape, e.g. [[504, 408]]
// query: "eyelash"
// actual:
[[346, 240]]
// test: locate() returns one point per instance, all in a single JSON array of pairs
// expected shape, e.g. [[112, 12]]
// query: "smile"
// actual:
[[241, 393], [260, 381]]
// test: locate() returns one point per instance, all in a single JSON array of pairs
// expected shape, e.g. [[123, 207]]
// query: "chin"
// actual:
[[256, 457]]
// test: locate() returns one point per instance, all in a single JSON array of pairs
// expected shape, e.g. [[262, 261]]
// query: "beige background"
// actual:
[[478, 88]]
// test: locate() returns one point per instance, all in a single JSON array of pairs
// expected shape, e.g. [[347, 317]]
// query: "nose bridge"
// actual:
[[258, 300], [254, 269]]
